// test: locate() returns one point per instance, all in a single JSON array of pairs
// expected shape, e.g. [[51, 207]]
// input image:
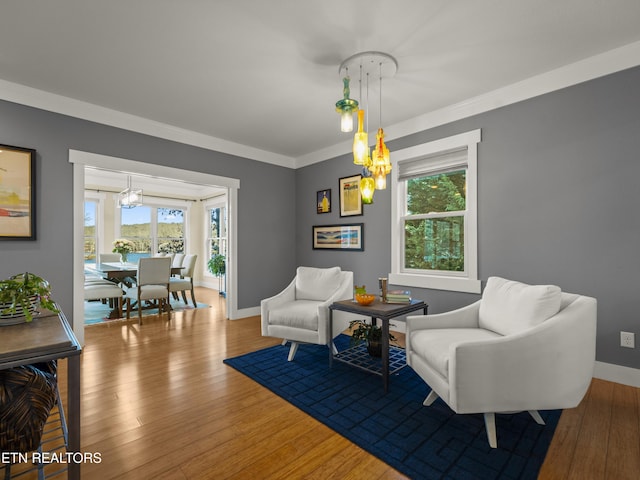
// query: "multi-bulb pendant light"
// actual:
[[377, 165]]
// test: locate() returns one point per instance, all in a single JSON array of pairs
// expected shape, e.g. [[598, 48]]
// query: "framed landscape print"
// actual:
[[323, 201], [17, 193], [339, 237], [350, 199]]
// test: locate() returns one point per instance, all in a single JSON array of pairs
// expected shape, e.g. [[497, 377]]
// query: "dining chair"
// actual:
[[178, 260], [153, 284], [185, 281], [109, 257], [104, 290]]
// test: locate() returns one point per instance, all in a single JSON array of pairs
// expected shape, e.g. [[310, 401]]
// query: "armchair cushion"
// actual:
[[434, 346], [510, 307], [316, 283], [298, 314]]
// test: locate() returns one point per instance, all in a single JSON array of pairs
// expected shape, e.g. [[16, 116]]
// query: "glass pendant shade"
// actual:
[[381, 163], [367, 188], [380, 156], [345, 107], [360, 142], [380, 179], [346, 122]]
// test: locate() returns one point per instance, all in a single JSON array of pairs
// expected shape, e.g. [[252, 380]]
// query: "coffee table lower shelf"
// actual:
[[359, 357]]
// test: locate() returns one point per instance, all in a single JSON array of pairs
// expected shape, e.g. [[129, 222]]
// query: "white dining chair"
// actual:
[[185, 281], [153, 284], [109, 257], [178, 260]]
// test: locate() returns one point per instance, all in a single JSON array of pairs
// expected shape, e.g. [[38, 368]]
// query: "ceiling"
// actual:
[[264, 74], [115, 181]]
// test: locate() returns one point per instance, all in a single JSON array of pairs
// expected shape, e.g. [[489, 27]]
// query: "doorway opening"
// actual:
[[85, 161]]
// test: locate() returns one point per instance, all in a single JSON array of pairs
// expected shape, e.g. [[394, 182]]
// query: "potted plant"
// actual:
[[217, 265], [361, 331], [20, 295]]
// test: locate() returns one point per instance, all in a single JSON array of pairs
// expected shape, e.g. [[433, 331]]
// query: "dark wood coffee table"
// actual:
[[358, 356]]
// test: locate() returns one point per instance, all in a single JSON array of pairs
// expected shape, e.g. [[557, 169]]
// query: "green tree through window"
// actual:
[[434, 225]]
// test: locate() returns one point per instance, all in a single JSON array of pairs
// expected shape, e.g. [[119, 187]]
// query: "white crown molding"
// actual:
[[32, 97], [600, 65]]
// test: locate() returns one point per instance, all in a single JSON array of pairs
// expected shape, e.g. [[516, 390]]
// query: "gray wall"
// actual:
[[558, 203], [265, 199]]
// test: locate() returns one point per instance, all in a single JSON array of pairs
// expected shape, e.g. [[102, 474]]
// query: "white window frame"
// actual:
[[455, 281], [98, 198], [218, 202]]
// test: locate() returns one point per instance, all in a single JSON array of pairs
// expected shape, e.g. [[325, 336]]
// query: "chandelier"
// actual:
[[130, 197], [376, 163]]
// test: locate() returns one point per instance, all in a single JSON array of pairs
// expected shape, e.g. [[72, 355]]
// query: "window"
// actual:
[[153, 229], [217, 232], [90, 230], [434, 244], [135, 225], [170, 230]]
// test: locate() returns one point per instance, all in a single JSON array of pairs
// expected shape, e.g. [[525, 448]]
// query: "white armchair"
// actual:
[[520, 348], [300, 313]]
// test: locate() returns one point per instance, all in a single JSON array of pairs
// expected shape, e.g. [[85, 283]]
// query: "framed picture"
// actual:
[[339, 237], [323, 200], [350, 199], [17, 193]]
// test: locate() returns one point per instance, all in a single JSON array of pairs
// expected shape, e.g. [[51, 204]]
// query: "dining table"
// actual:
[[119, 271], [123, 273]]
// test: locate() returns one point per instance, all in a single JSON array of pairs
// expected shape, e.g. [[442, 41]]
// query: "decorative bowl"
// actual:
[[365, 298]]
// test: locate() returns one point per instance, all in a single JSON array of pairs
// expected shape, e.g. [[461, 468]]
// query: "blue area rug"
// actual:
[[421, 442], [98, 312]]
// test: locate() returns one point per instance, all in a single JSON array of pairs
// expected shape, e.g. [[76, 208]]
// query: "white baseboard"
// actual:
[[617, 373], [247, 312]]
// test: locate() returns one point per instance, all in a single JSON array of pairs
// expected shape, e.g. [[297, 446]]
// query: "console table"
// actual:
[[48, 337], [393, 358]]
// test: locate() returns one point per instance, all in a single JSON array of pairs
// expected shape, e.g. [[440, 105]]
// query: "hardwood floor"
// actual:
[[158, 403]]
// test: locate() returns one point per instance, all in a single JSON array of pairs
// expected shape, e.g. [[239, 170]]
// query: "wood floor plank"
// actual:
[[561, 451], [623, 455], [589, 460]]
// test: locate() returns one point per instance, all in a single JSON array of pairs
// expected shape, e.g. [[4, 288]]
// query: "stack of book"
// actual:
[[398, 296]]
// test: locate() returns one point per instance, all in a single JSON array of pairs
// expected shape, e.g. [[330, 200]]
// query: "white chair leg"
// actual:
[[293, 350], [536, 416], [284, 341], [430, 398], [490, 425]]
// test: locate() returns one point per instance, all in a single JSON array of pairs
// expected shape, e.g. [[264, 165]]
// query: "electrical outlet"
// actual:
[[627, 339]]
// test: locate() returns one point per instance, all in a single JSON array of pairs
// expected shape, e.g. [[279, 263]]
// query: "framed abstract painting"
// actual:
[[339, 237], [17, 193]]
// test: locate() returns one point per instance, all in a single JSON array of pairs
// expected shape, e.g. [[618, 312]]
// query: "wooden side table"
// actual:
[[377, 310], [48, 337]]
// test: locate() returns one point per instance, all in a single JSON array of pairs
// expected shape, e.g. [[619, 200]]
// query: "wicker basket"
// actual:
[[27, 395]]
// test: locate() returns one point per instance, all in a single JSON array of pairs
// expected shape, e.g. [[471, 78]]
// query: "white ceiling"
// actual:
[[116, 181], [264, 74]]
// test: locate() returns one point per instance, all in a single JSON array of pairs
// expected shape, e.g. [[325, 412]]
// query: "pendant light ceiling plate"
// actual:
[[370, 62]]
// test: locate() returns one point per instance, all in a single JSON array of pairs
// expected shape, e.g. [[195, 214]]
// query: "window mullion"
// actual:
[[421, 216]]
